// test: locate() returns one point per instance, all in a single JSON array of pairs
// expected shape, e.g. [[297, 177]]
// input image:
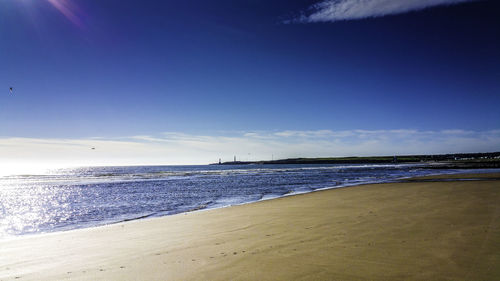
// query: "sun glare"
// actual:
[[27, 168]]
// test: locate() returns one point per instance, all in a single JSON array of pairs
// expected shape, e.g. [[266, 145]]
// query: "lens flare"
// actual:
[[69, 10]]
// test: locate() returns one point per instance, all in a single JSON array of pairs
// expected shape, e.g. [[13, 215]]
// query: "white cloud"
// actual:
[[305, 134], [337, 10], [181, 148]]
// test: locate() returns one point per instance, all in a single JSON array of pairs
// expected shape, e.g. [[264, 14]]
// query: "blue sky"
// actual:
[[141, 72]]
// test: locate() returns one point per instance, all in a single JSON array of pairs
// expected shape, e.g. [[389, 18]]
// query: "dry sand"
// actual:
[[404, 231]]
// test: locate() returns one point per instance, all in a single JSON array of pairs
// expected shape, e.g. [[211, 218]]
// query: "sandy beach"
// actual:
[[430, 230]]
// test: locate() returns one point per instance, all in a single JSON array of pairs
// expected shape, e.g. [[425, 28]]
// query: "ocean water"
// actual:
[[67, 199]]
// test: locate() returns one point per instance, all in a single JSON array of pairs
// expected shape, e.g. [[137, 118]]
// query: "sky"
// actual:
[[192, 81]]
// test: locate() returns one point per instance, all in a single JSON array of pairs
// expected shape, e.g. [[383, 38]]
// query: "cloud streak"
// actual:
[[181, 148], [338, 10]]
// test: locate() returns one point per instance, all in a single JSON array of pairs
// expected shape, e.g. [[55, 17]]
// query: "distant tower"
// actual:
[[235, 158], [220, 161]]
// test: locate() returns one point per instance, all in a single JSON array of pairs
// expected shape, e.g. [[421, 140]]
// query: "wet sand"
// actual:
[[404, 231]]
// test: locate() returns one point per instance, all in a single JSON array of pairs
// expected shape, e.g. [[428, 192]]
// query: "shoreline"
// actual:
[[387, 231], [433, 177]]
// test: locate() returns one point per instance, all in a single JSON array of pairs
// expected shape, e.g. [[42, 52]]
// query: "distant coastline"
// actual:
[[433, 161]]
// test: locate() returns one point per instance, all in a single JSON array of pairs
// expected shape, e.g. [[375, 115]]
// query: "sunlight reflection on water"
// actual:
[[67, 199]]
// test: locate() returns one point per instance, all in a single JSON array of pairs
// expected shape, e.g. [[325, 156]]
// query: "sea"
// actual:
[[73, 198]]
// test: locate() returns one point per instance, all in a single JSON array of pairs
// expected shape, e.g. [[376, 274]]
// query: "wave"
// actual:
[[103, 195], [83, 176]]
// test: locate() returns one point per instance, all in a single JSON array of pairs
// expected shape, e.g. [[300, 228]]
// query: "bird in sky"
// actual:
[[11, 89]]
